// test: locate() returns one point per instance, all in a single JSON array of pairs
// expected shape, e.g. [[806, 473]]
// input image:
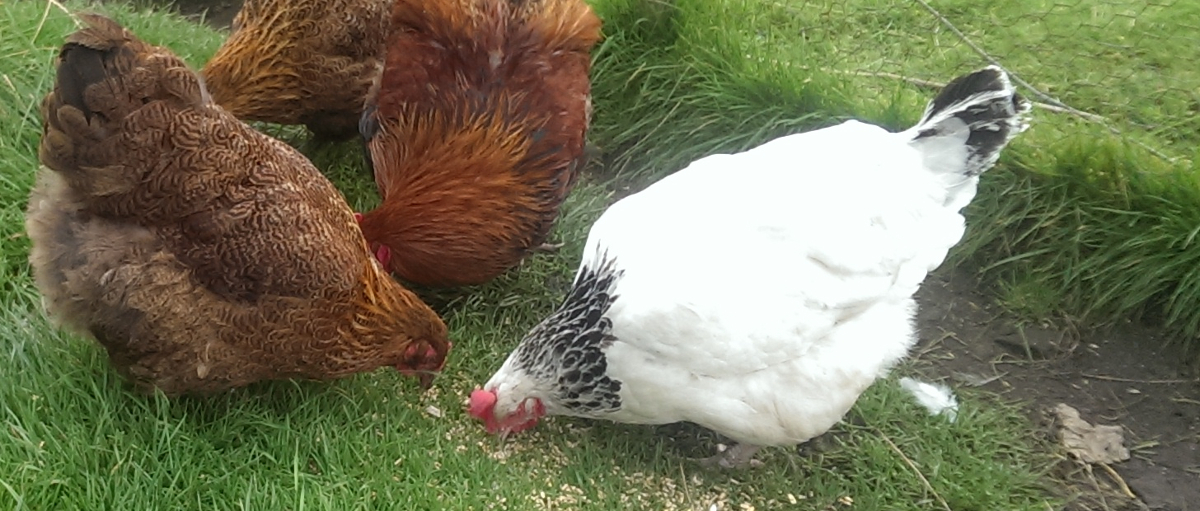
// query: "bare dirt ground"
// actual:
[[1123, 376]]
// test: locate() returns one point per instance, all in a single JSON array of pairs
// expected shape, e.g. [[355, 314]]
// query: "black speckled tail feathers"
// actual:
[[989, 106]]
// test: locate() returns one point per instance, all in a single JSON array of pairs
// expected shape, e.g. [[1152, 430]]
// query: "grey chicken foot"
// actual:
[[736, 457]]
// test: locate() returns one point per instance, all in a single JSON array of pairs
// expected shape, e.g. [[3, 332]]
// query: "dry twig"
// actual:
[[1131, 380], [1119, 480], [914, 468]]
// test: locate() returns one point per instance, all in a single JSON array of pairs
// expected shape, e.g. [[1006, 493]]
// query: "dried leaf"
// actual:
[[1088, 443]]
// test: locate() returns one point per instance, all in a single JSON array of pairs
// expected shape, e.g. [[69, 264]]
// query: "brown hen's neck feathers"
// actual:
[[427, 147], [254, 65], [475, 132], [386, 320]]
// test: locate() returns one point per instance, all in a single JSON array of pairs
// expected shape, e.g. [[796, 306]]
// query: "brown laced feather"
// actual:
[[202, 254], [307, 62], [476, 132]]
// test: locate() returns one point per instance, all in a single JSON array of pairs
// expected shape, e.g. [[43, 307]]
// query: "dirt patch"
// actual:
[[1122, 376]]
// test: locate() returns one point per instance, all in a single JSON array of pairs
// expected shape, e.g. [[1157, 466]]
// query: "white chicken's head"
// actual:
[[560, 367], [506, 408]]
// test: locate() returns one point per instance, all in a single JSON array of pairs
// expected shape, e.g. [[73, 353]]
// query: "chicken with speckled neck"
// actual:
[[759, 294]]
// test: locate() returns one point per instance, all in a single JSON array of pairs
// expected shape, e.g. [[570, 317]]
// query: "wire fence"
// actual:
[[1126, 65]]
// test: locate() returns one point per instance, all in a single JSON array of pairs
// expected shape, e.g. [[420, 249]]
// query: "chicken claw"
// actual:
[[736, 457]]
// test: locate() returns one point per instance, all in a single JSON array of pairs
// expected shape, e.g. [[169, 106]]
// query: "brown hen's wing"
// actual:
[[557, 36], [305, 62], [131, 130]]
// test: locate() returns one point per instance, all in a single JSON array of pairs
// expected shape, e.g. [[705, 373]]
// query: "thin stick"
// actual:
[[687, 494], [1120, 480], [933, 344], [914, 468], [987, 56], [1016, 78], [1096, 484], [46, 14], [930, 84], [1131, 380], [62, 8]]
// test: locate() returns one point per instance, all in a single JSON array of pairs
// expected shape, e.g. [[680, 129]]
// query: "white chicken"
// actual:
[[759, 294]]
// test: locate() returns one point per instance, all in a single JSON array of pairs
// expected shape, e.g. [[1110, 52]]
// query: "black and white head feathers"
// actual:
[[566, 350], [986, 102]]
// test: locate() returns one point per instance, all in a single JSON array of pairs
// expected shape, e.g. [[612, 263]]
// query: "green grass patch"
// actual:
[[72, 436]]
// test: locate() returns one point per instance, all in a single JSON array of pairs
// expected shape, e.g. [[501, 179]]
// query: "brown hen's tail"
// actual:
[[106, 78]]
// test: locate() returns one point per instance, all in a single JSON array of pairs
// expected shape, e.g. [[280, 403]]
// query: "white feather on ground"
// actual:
[[934, 397]]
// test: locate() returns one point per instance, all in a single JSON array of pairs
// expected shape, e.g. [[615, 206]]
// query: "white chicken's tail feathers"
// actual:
[[979, 112]]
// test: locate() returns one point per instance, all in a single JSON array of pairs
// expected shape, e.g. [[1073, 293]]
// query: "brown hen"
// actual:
[[307, 62], [202, 254], [476, 132]]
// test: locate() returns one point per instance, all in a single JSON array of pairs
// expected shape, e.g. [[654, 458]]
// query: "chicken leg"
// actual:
[[738, 456]]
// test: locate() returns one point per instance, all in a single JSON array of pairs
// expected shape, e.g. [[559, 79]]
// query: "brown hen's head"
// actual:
[[411, 336], [423, 361], [425, 348]]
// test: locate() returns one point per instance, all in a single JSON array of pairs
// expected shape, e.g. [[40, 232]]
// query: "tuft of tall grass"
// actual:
[[1108, 230], [672, 84]]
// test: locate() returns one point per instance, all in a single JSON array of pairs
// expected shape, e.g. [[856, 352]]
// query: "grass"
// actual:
[[671, 84], [1101, 225]]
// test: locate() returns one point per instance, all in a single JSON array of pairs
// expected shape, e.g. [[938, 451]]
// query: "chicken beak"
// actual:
[[425, 379]]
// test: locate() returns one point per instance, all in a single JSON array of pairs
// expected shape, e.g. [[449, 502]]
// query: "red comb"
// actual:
[[482, 402], [384, 255]]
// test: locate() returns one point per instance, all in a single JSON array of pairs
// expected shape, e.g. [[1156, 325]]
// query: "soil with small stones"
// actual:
[[1122, 376]]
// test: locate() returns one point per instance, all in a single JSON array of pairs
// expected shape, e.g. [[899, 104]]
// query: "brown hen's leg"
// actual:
[[549, 248], [738, 456]]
